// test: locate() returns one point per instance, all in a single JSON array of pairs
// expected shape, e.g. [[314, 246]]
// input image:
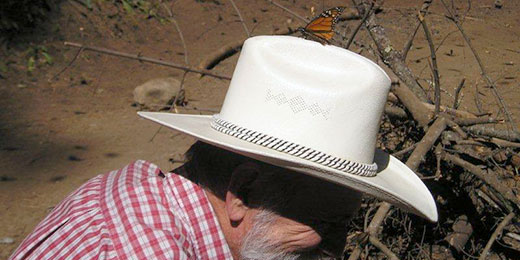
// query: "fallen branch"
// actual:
[[476, 121], [147, 59], [495, 234], [504, 143], [486, 131], [221, 54]]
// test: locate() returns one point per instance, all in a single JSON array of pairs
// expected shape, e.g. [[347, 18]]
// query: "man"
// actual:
[[276, 175]]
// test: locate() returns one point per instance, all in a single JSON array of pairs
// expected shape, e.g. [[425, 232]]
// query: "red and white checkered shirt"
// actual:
[[132, 213]]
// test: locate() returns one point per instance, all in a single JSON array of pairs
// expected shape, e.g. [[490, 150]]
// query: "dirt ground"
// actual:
[[55, 134]]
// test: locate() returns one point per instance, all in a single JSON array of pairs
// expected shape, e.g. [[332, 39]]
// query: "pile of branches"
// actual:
[[470, 166]]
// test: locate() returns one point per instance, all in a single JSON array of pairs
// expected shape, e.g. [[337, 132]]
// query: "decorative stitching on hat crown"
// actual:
[[297, 104], [361, 169]]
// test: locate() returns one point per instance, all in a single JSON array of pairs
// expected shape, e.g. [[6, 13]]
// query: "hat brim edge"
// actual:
[[395, 182]]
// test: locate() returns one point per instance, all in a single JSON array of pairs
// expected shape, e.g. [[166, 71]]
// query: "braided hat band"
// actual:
[[361, 169]]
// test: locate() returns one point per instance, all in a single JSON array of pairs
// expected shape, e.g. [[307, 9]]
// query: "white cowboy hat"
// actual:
[[310, 108]]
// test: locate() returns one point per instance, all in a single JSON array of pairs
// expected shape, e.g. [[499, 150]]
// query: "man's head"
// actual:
[[270, 212]]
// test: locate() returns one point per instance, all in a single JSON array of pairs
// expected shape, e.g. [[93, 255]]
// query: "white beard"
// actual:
[[258, 245]]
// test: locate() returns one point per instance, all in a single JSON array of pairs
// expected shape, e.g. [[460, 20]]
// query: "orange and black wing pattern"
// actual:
[[322, 27]]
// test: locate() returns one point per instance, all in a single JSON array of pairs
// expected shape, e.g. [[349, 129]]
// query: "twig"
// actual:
[[405, 150], [457, 93], [186, 60], [482, 69], [435, 69], [438, 157], [356, 30], [478, 104], [66, 67], [424, 10], [455, 127], [495, 234], [289, 11], [383, 248], [451, 111], [408, 45], [147, 59], [476, 121], [240, 17]]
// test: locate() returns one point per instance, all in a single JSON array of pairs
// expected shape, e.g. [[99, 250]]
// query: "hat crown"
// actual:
[[300, 91]]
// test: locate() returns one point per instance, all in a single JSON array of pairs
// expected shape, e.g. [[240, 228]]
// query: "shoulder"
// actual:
[[119, 215]]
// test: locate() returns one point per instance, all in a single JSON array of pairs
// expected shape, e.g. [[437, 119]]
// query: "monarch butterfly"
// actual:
[[322, 27]]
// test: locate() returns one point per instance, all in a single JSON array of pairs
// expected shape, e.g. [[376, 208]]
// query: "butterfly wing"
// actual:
[[323, 25]]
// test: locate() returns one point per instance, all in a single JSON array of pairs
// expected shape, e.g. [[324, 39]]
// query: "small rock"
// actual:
[[462, 230], [21, 85], [6, 240], [498, 4], [157, 93]]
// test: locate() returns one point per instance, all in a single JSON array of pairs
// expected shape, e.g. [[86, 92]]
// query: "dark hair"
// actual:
[[275, 188], [211, 167]]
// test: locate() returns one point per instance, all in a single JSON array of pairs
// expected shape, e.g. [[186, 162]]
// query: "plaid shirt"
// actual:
[[132, 213]]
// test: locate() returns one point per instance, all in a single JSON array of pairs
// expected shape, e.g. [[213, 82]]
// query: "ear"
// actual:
[[235, 208], [237, 195]]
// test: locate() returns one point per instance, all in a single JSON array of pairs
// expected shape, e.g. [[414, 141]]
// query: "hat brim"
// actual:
[[394, 183]]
